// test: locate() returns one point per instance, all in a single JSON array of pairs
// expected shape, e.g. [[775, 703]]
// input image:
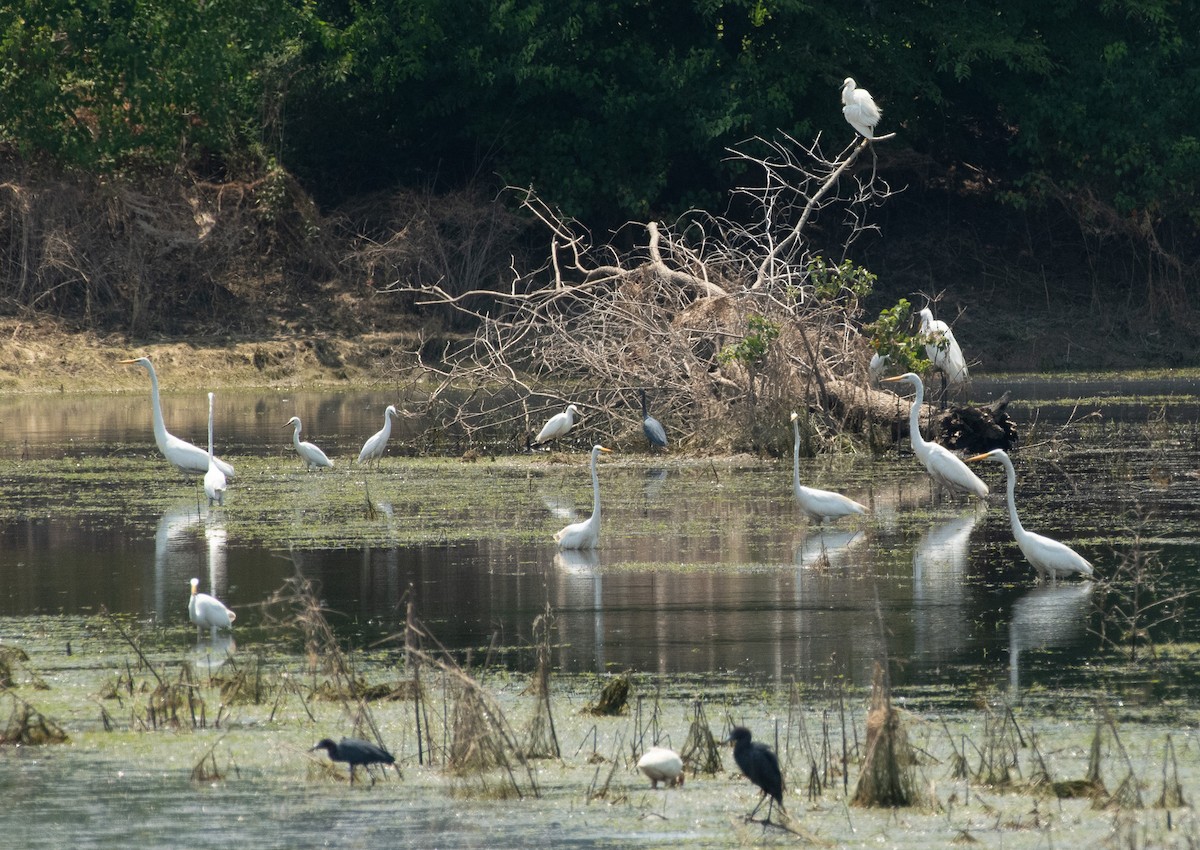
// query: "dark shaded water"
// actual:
[[699, 571]]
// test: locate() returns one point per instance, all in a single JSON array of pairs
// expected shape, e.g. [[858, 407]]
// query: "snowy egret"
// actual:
[[943, 349], [1049, 557], [585, 535], [943, 465], [214, 478], [372, 449], [662, 764], [312, 456], [557, 426], [759, 765], [651, 427], [818, 504], [354, 751], [859, 108], [205, 610], [181, 453]]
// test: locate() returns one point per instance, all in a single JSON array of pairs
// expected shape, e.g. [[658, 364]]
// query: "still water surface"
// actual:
[[704, 567]]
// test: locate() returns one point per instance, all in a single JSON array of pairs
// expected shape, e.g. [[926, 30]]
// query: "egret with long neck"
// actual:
[[214, 478], [943, 465], [818, 504], [586, 534]]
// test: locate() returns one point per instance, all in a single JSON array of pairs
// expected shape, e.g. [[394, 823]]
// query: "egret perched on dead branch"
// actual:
[[372, 449], [1049, 557], [661, 764], [859, 108], [585, 535], [818, 504], [205, 610], [214, 478], [557, 426], [943, 349], [943, 465], [312, 456], [181, 453]]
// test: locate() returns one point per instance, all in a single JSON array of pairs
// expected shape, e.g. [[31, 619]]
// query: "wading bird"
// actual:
[[214, 478], [818, 504], [651, 427], [354, 751], [181, 453], [312, 456], [943, 465], [859, 108], [556, 426], [661, 764], [372, 449], [760, 766], [943, 350], [205, 610], [585, 535], [1049, 557]]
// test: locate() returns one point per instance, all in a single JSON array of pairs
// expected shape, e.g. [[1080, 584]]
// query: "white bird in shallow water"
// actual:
[[557, 426], [943, 465], [1049, 557], [943, 350], [818, 504], [312, 456], [372, 449], [214, 478], [661, 764], [585, 535], [181, 453], [205, 610], [859, 108]]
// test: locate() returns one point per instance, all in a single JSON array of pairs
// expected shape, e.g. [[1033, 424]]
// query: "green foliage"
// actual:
[[847, 280], [751, 351], [890, 337]]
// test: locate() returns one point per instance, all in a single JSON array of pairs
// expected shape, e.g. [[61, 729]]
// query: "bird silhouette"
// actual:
[[355, 752], [759, 764]]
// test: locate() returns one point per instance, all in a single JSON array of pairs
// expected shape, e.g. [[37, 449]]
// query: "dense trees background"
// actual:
[[621, 109]]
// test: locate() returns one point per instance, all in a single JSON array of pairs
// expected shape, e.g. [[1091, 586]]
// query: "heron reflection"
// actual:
[[1046, 617], [940, 563], [581, 582]]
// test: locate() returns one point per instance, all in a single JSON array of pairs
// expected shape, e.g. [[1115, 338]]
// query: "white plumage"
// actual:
[[943, 350], [373, 448], [818, 504], [859, 108], [943, 465], [1049, 557], [557, 425], [312, 456], [205, 610], [585, 535], [214, 478], [181, 453], [661, 764]]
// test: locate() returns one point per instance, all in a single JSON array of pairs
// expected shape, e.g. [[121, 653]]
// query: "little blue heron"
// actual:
[[354, 751], [759, 765], [651, 427]]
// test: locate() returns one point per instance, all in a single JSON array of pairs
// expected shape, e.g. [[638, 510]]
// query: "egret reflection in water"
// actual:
[[186, 544], [581, 588], [940, 564], [1046, 617], [827, 549]]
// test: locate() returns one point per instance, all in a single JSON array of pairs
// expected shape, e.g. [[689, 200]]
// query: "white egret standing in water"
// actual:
[[585, 535], [943, 465], [1049, 557], [372, 449], [205, 610], [859, 108], [661, 764], [818, 504], [557, 426], [181, 453], [214, 478], [312, 456]]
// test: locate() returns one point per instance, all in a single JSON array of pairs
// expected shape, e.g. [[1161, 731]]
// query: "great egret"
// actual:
[[947, 357], [354, 751], [818, 504], [859, 108], [214, 478], [312, 456], [585, 535], [181, 453], [651, 427], [1049, 557], [205, 610], [943, 465], [662, 764], [557, 426], [759, 765], [372, 449]]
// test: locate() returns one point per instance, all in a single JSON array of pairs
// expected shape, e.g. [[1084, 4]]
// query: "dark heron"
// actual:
[[354, 751], [655, 433], [759, 765]]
